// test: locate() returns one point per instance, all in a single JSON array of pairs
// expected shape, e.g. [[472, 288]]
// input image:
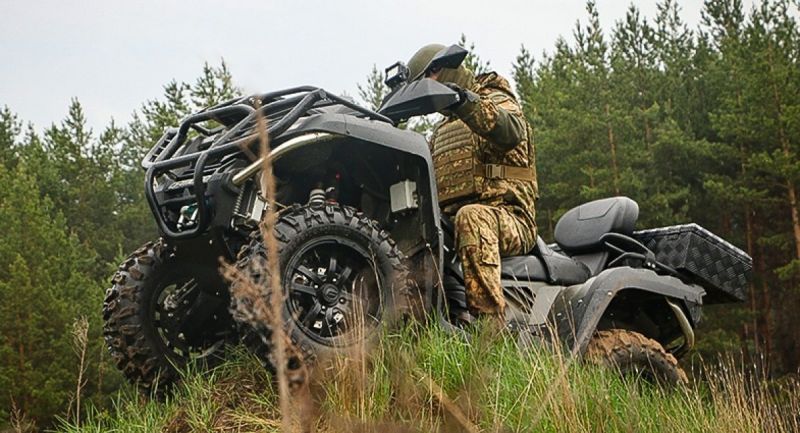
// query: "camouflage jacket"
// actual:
[[491, 130]]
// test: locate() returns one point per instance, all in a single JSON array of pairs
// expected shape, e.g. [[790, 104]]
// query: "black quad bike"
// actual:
[[360, 235]]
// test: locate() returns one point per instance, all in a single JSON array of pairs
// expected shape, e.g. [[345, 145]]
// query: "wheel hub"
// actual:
[[329, 294], [186, 320]]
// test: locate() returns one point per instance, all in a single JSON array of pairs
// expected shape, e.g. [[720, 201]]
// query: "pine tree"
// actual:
[[523, 72], [214, 85], [44, 284], [373, 92], [10, 129], [72, 204], [133, 218], [76, 172], [473, 62]]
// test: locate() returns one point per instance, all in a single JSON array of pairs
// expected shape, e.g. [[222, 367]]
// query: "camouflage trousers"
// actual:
[[483, 235]]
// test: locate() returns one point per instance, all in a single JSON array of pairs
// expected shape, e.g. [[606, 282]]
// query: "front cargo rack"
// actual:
[[238, 118]]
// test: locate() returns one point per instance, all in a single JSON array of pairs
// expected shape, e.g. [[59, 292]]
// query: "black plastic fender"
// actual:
[[385, 135], [373, 134], [579, 308]]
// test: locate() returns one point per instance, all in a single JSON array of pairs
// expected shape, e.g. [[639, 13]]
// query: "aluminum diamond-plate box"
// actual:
[[721, 268]]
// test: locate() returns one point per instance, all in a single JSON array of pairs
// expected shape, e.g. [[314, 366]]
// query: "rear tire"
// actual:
[[330, 257], [635, 355], [146, 311]]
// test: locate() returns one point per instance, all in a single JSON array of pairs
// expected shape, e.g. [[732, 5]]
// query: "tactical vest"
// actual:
[[460, 171]]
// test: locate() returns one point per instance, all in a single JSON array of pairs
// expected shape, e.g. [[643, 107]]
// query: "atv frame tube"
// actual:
[[686, 328], [242, 176]]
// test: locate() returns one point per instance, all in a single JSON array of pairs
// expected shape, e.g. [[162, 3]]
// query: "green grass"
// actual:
[[422, 379]]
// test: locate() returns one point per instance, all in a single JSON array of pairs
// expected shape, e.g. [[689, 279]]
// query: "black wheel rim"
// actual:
[[176, 298], [647, 373], [333, 291]]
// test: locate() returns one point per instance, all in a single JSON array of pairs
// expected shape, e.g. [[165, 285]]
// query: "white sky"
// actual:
[[113, 55]]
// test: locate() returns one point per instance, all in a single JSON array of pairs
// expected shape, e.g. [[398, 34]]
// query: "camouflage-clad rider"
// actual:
[[485, 167]]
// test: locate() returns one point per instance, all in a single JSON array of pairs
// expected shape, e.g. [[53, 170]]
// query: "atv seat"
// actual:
[[523, 268], [580, 229], [541, 264], [544, 264]]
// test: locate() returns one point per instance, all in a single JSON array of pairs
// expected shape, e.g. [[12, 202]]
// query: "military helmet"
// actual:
[[419, 63]]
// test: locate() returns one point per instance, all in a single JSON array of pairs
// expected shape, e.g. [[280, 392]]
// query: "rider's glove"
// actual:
[[467, 100]]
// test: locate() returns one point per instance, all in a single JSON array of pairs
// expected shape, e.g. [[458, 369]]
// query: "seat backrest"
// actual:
[[580, 229]]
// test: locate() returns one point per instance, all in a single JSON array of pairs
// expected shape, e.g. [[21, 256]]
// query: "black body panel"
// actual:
[[383, 134], [578, 310]]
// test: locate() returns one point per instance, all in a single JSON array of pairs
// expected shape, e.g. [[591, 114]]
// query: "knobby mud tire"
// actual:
[[634, 354], [293, 228], [131, 337]]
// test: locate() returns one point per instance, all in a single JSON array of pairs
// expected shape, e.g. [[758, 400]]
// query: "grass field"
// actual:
[[423, 379]]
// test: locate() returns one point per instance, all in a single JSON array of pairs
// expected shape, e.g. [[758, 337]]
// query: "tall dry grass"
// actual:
[[80, 344], [423, 379], [262, 302]]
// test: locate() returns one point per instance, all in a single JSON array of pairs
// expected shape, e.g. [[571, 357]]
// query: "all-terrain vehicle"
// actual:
[[360, 234]]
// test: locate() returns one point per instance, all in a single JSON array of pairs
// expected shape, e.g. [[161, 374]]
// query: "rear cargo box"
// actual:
[[721, 268]]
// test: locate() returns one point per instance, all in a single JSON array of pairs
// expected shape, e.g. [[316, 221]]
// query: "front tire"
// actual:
[[633, 354], [342, 277], [160, 313]]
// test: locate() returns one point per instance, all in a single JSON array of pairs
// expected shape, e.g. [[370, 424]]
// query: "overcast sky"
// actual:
[[113, 55]]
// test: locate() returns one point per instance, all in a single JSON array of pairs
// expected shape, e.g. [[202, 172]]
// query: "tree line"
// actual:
[[697, 125], [72, 208]]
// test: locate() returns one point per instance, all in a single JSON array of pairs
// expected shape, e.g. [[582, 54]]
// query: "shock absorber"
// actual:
[[317, 196]]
